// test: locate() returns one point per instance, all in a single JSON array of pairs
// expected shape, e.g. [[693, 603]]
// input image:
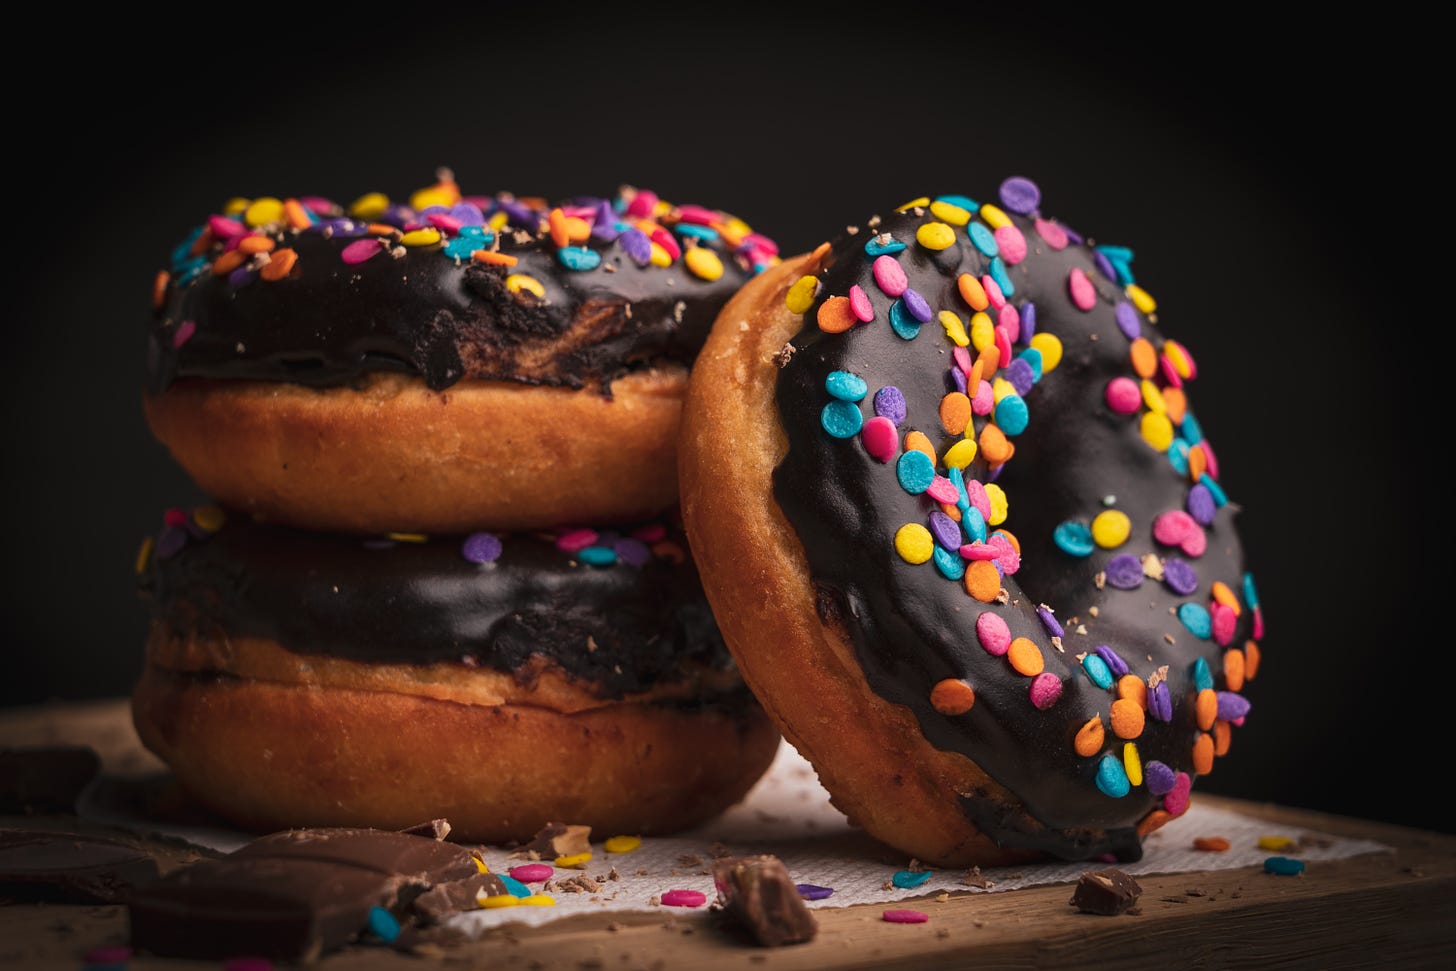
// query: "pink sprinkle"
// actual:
[[234, 242], [1173, 527], [663, 238], [644, 203], [963, 360], [1008, 318], [993, 292], [684, 898], [361, 250], [576, 539], [993, 633], [108, 955], [906, 916], [697, 215], [980, 551], [584, 213], [1084, 295], [1012, 244], [1003, 345], [184, 333], [1006, 555], [976, 493], [761, 243], [174, 517], [1176, 801], [943, 490], [984, 400], [318, 205], [1046, 688], [1170, 373], [532, 872], [890, 275], [859, 303], [224, 228], [1224, 620], [443, 221], [1258, 623], [880, 438], [650, 533], [1055, 236], [1123, 396]]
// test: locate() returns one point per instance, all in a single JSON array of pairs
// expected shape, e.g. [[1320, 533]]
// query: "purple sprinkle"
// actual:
[[467, 214], [1124, 571], [1180, 576], [996, 472], [170, 541], [1049, 620], [947, 531], [435, 210], [633, 552], [520, 214], [1201, 504], [1232, 706], [1114, 663], [397, 215], [1104, 265], [1127, 320], [1021, 375], [481, 548], [958, 379], [890, 403], [917, 306], [242, 276], [604, 223], [636, 245], [1020, 195], [339, 228], [810, 892], [1158, 778], [1028, 322], [1073, 237], [1160, 702]]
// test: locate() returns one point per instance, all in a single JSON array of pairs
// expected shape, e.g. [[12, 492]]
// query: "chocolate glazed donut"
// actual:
[[965, 536]]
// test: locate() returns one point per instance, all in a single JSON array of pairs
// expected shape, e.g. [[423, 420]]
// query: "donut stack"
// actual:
[[443, 574]]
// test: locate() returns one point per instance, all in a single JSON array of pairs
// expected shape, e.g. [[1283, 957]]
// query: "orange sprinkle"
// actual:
[[295, 215], [1225, 596], [1177, 404], [279, 265], [955, 413], [973, 383], [493, 257], [1024, 655], [1233, 669], [1207, 708], [1144, 358], [1197, 461], [1251, 660], [988, 361], [202, 243], [1211, 844], [1153, 821], [669, 550], [995, 446], [1223, 737], [1010, 538], [159, 289], [1203, 754], [1089, 738], [920, 442], [954, 512], [256, 244], [982, 581], [382, 229], [1132, 688], [972, 292], [1126, 718], [556, 219], [836, 316], [229, 261], [952, 696]]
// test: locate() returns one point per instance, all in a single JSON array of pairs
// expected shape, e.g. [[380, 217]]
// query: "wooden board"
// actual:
[[1383, 910]]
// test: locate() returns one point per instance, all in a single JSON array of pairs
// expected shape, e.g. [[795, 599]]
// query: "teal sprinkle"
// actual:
[[1178, 456], [1001, 276], [1012, 415], [579, 257], [906, 879], [597, 555], [191, 265], [383, 924], [1098, 671], [842, 419], [965, 202], [516, 887], [950, 565], [1202, 676], [1219, 496], [915, 471], [1197, 619], [182, 252], [1074, 538], [846, 386], [705, 233], [1251, 595], [875, 247], [479, 232], [462, 246], [1117, 254], [902, 322], [191, 273], [982, 238], [973, 523], [1190, 429], [1283, 866], [1034, 360], [958, 479], [1112, 778]]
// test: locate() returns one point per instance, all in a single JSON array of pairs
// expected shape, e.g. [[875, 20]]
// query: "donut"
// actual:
[[965, 536], [500, 681], [438, 364]]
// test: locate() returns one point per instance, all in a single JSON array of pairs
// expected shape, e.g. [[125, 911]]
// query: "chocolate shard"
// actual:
[[560, 839], [45, 780], [756, 894], [437, 829], [1108, 892], [445, 899], [291, 895], [57, 867]]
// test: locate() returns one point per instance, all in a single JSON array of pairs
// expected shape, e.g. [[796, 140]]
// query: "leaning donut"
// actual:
[[965, 536], [441, 364]]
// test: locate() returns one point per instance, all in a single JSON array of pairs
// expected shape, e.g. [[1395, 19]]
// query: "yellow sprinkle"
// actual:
[[1277, 843], [961, 454], [919, 203], [1178, 356], [369, 206], [445, 194], [983, 330], [574, 861], [1132, 764], [209, 518], [1050, 347], [914, 543], [622, 844], [935, 236], [407, 537], [703, 263], [1111, 528], [660, 256], [1157, 430], [480, 864], [994, 217], [1153, 397], [1140, 298], [1000, 388], [801, 295], [949, 213], [498, 220], [144, 554], [538, 900], [428, 236], [494, 902], [999, 505], [516, 282], [261, 212], [734, 229], [955, 329], [235, 205]]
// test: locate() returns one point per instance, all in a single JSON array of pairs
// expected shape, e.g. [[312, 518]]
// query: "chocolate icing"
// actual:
[[416, 310], [912, 627]]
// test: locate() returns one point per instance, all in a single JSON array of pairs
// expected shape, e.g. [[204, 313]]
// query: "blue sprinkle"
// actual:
[[462, 246], [846, 386], [1202, 675], [947, 531], [906, 879], [1201, 505], [1251, 595], [182, 252], [810, 892], [699, 232], [1178, 456], [1189, 429], [1011, 414], [1216, 490], [1160, 702], [902, 322], [965, 202], [1096, 669], [958, 479], [1117, 254], [915, 471], [950, 565], [516, 887], [917, 305], [579, 257], [1196, 618], [1002, 277], [1028, 322], [1034, 360], [1111, 778], [1074, 538], [189, 267], [973, 523], [890, 403], [1120, 258], [636, 244], [383, 924], [983, 238], [842, 419], [1020, 374], [1115, 663], [1283, 866], [881, 244], [597, 555], [481, 548], [1128, 321]]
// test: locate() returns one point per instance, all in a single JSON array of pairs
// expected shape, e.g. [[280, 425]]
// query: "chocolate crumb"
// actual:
[[757, 897], [558, 839], [1108, 892], [783, 355], [718, 851], [690, 859], [973, 878]]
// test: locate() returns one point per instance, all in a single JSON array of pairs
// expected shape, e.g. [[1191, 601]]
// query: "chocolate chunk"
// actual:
[[1107, 892], [291, 895], [557, 839], [70, 867], [436, 829], [445, 899], [758, 897], [45, 780]]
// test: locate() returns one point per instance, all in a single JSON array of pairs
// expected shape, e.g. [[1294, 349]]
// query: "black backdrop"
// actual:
[[1261, 174]]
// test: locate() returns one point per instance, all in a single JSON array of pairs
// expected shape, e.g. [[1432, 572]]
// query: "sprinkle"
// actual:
[[846, 386], [890, 276], [1002, 278], [836, 315], [493, 258], [1177, 528], [1176, 799], [1019, 195], [1025, 657], [1012, 415], [576, 539], [914, 543], [1195, 617], [948, 563], [1127, 320], [532, 873], [1159, 778], [983, 239], [842, 419], [915, 470], [905, 916], [1110, 528], [1251, 593], [574, 861], [1083, 294], [1089, 738], [809, 891], [383, 924], [579, 258], [882, 244], [890, 403], [952, 696], [703, 263], [983, 581], [935, 236], [1283, 866], [916, 305], [1045, 689], [1011, 243], [1113, 660], [993, 633], [1132, 688], [1232, 707], [481, 548], [908, 879], [918, 442], [684, 898], [1074, 538], [1202, 675], [1126, 718], [879, 438], [802, 294], [1124, 571], [972, 292], [996, 497], [1203, 754], [1141, 299], [538, 900], [1123, 396], [1050, 348], [1160, 702], [1112, 777], [496, 901], [955, 412], [1211, 844], [949, 212], [597, 556]]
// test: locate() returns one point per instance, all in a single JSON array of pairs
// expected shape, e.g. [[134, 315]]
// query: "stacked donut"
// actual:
[[443, 574]]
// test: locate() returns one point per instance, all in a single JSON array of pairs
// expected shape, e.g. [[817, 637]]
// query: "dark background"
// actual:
[[1268, 179]]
